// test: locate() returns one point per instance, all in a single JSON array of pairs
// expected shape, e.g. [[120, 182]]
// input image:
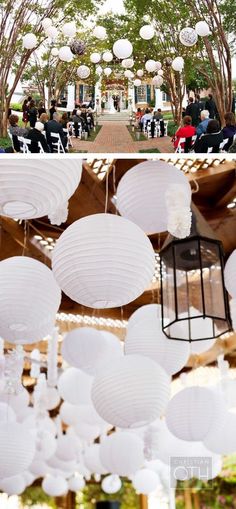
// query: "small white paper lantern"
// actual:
[[55, 486], [39, 468], [52, 398], [140, 73], [55, 52], [160, 72], [95, 58], [66, 450], [188, 36], [145, 481], [111, 484], [128, 63], [230, 274], [52, 32], [28, 477], [158, 66], [69, 29], [123, 49], [202, 28], [131, 392], [116, 269], [18, 402], [107, 71], [7, 413], [192, 412], [75, 386], [17, 449], [107, 56], [100, 33], [92, 460], [87, 432], [76, 483], [129, 74], [137, 83], [222, 440], [46, 444], [157, 81], [29, 41], [178, 64], [83, 72], [147, 32], [65, 54], [13, 485], [99, 70], [122, 453], [150, 65], [46, 23]]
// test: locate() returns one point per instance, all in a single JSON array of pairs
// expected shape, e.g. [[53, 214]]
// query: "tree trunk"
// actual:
[[188, 498], [196, 500]]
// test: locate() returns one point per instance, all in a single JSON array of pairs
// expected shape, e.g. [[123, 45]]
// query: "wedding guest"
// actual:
[[32, 113], [53, 109], [25, 109], [211, 139], [16, 131], [36, 135], [211, 106], [41, 108], [185, 131], [229, 130], [193, 111], [202, 127], [54, 126]]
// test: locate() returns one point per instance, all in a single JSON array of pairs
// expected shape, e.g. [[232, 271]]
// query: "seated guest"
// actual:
[[229, 130], [185, 131], [36, 135], [83, 115], [15, 131], [25, 109], [159, 117], [54, 126], [205, 119], [43, 118], [138, 114], [32, 113], [213, 138], [147, 117], [90, 118], [64, 120], [53, 109], [77, 120], [41, 109], [193, 111]]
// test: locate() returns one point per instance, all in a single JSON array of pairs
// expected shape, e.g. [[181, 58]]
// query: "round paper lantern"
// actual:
[[52, 32], [69, 29], [29, 300], [52, 398], [28, 477], [192, 412], [76, 483], [137, 83], [178, 64], [145, 481], [138, 189], [150, 65], [55, 486], [107, 56], [17, 448], [107, 71], [160, 72], [92, 460], [147, 32], [230, 274], [188, 36], [222, 440], [146, 338], [129, 74], [233, 312], [158, 66], [128, 63], [29, 41], [68, 413], [46, 23], [202, 29], [95, 58], [117, 268], [157, 81], [55, 52], [89, 349], [123, 49], [75, 386], [18, 402], [13, 485], [83, 72], [39, 468], [29, 190], [65, 54], [7, 413], [100, 33], [78, 47], [140, 73], [131, 392], [87, 432], [122, 453], [66, 450], [99, 70], [111, 484], [46, 445]]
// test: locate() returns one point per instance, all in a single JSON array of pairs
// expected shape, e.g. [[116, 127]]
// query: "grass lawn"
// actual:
[[5, 142], [150, 150], [93, 134], [133, 134]]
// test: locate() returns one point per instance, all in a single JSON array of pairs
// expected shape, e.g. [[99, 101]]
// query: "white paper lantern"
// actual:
[[29, 300], [160, 72], [137, 83], [87, 432], [114, 271], [157, 81], [92, 460], [52, 32], [128, 63], [55, 52], [29, 190], [107, 71], [65, 54], [100, 33], [28, 477], [39, 468], [66, 450], [147, 32], [222, 440], [17, 448], [178, 64], [131, 392], [66, 468], [7, 413], [230, 274], [129, 74], [158, 66], [146, 338], [145, 481], [202, 29], [123, 49], [99, 70], [107, 56], [95, 58], [188, 36], [138, 189], [46, 444], [29, 41], [122, 453], [83, 72], [111, 484], [89, 349], [46, 23], [52, 398], [140, 73], [192, 412], [76, 483], [13, 485], [150, 65], [18, 402], [55, 486], [69, 29], [68, 413], [75, 386]]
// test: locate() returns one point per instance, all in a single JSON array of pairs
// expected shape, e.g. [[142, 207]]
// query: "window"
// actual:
[[142, 94]]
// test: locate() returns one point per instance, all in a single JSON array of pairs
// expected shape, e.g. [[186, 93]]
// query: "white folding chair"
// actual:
[[166, 123], [57, 143], [11, 138], [25, 145], [179, 149], [223, 143], [210, 150], [41, 151]]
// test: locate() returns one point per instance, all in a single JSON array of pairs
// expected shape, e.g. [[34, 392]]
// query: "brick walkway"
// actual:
[[115, 138]]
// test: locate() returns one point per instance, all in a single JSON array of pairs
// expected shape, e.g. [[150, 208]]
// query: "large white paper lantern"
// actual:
[[103, 261], [46, 444], [46, 23], [75, 386], [66, 448], [230, 274], [222, 440], [52, 398], [29, 190], [107, 71], [28, 477], [178, 64], [202, 28], [29, 41], [7, 413], [140, 73], [150, 65], [131, 392], [29, 300], [111, 484], [52, 32], [122, 49], [65, 54], [188, 36], [87, 432], [55, 486], [138, 190], [137, 83], [146, 338], [69, 29], [17, 449], [39, 468], [83, 72], [147, 32], [92, 460], [95, 58], [192, 412], [107, 56], [76, 483], [100, 33], [18, 402], [122, 453], [145, 481], [13, 485]]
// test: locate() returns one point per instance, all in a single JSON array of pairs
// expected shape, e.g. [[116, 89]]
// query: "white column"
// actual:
[[98, 96], [70, 97], [158, 99], [131, 98]]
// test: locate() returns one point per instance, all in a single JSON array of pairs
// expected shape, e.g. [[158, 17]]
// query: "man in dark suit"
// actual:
[[36, 135], [54, 126], [193, 111], [211, 106]]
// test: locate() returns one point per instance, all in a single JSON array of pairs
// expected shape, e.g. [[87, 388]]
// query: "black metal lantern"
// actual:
[[194, 303]]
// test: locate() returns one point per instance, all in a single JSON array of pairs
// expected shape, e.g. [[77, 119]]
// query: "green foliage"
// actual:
[[5, 142], [35, 495], [16, 106], [126, 496]]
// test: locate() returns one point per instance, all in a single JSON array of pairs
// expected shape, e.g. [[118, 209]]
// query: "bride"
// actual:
[[112, 109]]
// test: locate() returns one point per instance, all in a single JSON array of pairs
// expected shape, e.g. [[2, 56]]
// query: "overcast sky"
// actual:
[[116, 6]]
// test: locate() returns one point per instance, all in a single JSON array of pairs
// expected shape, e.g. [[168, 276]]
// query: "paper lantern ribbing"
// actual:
[[150, 65], [137, 83], [83, 72], [7, 413], [65, 54], [55, 486], [132, 392], [69, 29], [46, 23], [74, 386], [100, 33], [76, 483], [110, 257], [13, 485], [145, 481], [111, 484], [107, 56], [147, 32], [17, 449], [202, 29], [192, 412], [223, 439], [138, 189], [230, 275], [123, 49], [92, 460], [29, 290], [188, 36], [95, 58], [178, 64], [122, 453], [29, 41]]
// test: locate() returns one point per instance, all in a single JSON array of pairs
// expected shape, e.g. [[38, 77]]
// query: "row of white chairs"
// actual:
[[25, 143], [147, 129], [182, 141]]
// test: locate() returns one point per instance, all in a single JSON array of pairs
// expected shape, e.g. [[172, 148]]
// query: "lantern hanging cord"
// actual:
[[194, 191]]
